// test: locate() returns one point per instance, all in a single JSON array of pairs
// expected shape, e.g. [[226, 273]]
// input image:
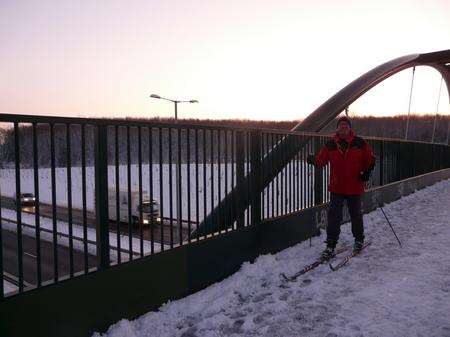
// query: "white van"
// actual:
[[150, 208]]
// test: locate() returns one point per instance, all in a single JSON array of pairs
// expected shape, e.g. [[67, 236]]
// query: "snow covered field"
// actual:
[[386, 291]]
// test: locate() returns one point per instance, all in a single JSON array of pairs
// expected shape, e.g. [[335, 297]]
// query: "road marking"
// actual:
[[31, 255]]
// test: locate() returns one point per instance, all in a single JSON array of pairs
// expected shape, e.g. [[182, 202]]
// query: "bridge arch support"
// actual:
[[326, 112]]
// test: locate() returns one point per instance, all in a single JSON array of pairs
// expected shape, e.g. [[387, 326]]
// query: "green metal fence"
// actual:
[[109, 192]]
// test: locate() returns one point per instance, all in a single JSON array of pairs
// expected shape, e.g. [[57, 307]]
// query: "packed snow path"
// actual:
[[386, 291]]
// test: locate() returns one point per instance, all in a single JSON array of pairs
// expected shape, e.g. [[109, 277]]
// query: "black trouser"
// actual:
[[335, 217]]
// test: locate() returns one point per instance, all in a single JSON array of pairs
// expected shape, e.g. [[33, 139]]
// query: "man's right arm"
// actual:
[[323, 157]]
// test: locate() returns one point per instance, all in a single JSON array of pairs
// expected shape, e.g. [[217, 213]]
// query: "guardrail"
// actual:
[[108, 192]]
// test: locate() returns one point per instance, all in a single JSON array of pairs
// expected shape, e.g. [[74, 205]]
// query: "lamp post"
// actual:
[[174, 101], [178, 187]]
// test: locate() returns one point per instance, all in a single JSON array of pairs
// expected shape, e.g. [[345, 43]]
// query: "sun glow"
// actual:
[[248, 59]]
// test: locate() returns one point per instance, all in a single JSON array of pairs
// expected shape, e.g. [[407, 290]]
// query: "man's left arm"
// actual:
[[368, 162]]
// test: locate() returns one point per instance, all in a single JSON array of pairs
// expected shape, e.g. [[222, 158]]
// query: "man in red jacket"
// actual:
[[351, 162]]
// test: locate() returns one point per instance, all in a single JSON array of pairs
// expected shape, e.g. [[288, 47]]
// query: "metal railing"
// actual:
[[109, 192]]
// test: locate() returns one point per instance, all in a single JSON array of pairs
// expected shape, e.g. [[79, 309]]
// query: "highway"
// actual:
[[29, 258], [29, 254], [62, 213]]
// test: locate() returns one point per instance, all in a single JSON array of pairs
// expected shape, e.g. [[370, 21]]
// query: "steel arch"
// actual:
[[326, 112]]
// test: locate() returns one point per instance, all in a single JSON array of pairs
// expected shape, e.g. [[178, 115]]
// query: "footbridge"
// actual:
[[128, 215]]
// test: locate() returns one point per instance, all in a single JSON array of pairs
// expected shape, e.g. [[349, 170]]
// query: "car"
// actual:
[[27, 199]]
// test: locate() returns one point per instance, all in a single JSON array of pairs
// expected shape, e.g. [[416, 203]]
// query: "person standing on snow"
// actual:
[[351, 163]]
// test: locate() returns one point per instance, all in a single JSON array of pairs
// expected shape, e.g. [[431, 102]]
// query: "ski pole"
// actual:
[[390, 225]]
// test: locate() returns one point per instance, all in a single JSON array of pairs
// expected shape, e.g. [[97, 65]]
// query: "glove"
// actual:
[[311, 159], [365, 175]]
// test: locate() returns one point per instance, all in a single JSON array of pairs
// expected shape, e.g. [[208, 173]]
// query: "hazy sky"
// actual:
[[257, 59]]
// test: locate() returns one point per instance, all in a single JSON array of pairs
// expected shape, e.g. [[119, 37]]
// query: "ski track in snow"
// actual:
[[385, 291]]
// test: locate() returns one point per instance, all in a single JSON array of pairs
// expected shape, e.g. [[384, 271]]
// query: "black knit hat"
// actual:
[[344, 119]]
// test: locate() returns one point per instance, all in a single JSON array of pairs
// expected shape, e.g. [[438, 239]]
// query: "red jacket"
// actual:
[[346, 164]]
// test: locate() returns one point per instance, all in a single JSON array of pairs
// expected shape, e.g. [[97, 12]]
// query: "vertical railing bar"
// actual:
[[197, 206], [233, 163], [161, 176], [188, 182], [53, 179], [380, 168], [290, 175], [311, 182], [69, 198], [18, 206], [83, 198], [268, 186], [286, 176], [240, 151], [141, 218], [278, 196], [213, 219], [272, 183], [101, 197], [305, 170], [204, 179], [247, 143], [269, 201], [386, 163], [117, 178], [219, 181], [263, 172], [150, 177], [308, 177], [297, 156], [37, 218], [227, 213], [170, 189], [293, 162], [283, 187], [130, 216], [179, 189]]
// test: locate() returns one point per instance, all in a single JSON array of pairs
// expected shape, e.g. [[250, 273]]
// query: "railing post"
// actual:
[[381, 161], [240, 154], [255, 161], [318, 177], [101, 196]]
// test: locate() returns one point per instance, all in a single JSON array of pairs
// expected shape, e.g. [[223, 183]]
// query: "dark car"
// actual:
[[27, 199]]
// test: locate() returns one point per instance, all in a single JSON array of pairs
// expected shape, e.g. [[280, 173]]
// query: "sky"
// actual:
[[250, 59]]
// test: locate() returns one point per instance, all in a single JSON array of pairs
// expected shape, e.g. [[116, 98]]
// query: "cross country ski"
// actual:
[[345, 260], [312, 266]]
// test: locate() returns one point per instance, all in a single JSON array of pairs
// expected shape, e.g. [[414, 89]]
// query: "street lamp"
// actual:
[[174, 101], [178, 188]]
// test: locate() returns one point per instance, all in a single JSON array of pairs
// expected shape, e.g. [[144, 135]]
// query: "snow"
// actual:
[[386, 291], [9, 287]]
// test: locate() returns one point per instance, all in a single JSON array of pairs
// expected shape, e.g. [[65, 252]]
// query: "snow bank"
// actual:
[[386, 291]]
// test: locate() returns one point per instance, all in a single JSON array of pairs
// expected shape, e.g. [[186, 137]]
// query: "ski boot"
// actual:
[[327, 254], [357, 246]]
